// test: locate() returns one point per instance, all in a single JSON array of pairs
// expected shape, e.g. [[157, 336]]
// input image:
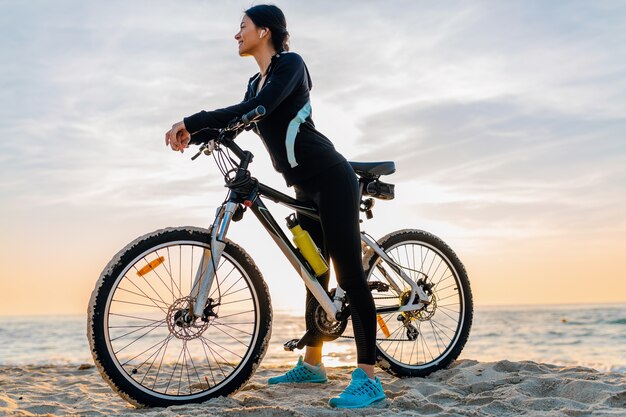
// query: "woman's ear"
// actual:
[[262, 33]]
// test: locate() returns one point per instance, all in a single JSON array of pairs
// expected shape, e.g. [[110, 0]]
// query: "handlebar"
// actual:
[[253, 115], [247, 119]]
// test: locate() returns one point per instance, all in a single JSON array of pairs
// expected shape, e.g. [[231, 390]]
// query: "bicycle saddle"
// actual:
[[373, 169]]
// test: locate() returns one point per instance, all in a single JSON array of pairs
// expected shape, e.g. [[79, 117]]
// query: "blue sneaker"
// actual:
[[361, 392], [303, 372]]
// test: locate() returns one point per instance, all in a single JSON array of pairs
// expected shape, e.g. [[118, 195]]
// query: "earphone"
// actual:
[[262, 33]]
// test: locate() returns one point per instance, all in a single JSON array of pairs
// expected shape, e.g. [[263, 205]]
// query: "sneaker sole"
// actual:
[[370, 402], [314, 381]]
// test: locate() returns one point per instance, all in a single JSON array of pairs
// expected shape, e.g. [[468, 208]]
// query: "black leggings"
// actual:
[[335, 192]]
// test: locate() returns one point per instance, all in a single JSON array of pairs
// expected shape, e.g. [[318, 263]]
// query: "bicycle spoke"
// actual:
[[169, 262], [412, 350], [162, 343], [130, 317], [156, 378], [194, 368], [134, 341], [156, 355], [439, 326], [215, 323], [137, 304], [174, 371], [454, 284], [449, 296], [435, 335], [237, 301], [148, 282], [208, 362], [235, 292], [236, 314], [222, 282], [235, 283], [447, 315], [140, 295], [157, 323], [171, 279], [205, 343], [447, 306], [231, 336], [148, 297], [221, 347]]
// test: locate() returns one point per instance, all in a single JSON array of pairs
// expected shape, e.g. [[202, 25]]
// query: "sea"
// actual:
[[592, 336]]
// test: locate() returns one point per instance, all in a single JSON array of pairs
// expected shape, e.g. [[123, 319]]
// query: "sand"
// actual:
[[467, 388]]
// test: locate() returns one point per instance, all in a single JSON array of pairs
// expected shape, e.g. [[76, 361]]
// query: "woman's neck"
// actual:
[[264, 58]]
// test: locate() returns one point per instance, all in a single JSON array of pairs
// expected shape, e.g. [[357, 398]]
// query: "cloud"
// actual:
[[501, 164], [504, 119]]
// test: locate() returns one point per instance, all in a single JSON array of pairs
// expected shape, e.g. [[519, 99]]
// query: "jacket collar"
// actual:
[[254, 81]]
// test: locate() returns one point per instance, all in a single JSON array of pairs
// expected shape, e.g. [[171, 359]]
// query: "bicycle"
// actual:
[[182, 315]]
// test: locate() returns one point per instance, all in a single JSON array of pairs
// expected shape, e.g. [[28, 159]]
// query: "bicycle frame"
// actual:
[[224, 216]]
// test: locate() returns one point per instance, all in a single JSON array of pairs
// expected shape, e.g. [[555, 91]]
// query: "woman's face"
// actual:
[[249, 36]]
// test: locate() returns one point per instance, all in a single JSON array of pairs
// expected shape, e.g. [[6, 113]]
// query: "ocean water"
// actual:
[[586, 335]]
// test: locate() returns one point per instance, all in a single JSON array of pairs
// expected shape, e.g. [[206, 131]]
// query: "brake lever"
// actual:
[[202, 150]]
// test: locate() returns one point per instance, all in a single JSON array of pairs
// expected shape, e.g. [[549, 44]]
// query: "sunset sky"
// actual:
[[507, 122]]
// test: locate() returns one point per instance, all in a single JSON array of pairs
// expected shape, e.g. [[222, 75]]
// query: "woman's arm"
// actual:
[[288, 74], [179, 138]]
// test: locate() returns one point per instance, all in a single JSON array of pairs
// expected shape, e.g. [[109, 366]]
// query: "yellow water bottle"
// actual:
[[306, 246]]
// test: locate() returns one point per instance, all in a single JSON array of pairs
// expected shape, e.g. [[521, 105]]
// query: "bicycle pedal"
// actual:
[[291, 345]]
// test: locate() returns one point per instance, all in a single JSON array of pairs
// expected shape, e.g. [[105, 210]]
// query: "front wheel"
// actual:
[[418, 342], [144, 344]]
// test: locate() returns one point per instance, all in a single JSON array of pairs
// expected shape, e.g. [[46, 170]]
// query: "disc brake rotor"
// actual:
[[180, 325]]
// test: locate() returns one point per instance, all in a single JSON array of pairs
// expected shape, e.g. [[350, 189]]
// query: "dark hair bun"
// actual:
[[271, 17]]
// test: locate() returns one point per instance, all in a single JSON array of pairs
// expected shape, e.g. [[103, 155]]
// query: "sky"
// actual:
[[506, 120]]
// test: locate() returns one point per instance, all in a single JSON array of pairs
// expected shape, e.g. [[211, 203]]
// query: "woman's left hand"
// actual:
[[177, 137]]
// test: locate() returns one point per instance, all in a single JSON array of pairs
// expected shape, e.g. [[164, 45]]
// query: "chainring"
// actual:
[[317, 320]]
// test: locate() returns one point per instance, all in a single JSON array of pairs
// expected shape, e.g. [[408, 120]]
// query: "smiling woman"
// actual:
[[320, 175]]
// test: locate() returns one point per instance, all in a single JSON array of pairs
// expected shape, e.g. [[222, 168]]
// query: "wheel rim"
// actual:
[[154, 349], [435, 330]]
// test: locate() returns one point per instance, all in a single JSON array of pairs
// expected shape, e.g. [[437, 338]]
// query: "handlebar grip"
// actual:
[[253, 115]]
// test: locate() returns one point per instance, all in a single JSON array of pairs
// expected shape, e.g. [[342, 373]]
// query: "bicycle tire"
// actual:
[[114, 293], [446, 323]]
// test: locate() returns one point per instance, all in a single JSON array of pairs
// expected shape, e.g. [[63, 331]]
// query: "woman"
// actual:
[[309, 163]]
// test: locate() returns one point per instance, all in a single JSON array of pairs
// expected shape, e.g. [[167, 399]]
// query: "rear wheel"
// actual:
[[141, 339], [418, 342]]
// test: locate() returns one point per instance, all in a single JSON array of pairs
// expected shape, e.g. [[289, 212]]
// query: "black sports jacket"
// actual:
[[297, 149]]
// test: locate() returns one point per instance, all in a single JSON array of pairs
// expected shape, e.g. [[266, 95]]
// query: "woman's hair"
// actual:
[[271, 17]]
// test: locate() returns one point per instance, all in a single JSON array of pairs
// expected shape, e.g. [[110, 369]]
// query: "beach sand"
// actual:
[[467, 388]]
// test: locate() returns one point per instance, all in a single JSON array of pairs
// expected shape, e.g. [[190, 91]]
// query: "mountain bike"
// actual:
[[183, 314]]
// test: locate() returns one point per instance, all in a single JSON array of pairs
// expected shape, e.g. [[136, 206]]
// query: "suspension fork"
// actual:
[[211, 258]]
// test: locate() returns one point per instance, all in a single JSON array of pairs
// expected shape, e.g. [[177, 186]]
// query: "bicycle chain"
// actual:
[[383, 340]]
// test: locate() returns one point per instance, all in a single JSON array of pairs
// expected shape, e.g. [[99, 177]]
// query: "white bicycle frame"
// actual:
[[211, 259]]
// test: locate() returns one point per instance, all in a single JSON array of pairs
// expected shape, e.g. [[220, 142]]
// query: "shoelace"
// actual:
[[297, 373], [361, 387]]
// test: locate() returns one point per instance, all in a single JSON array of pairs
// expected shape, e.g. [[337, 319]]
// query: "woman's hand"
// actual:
[[178, 137]]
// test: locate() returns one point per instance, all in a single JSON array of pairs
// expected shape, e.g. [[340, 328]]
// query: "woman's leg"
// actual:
[[313, 352], [339, 213]]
